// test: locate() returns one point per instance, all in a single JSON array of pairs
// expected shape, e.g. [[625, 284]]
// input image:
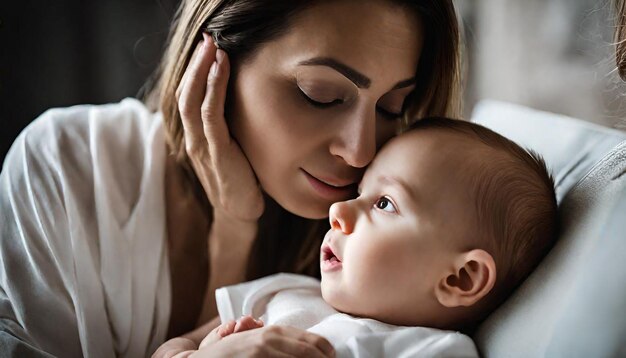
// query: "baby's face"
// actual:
[[387, 248]]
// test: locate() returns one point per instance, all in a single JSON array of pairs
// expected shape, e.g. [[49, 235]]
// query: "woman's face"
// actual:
[[312, 107]]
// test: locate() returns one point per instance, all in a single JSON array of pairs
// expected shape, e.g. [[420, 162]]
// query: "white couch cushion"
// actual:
[[574, 303], [569, 146], [593, 314]]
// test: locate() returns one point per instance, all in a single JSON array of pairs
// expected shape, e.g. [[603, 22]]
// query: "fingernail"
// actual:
[[219, 55], [213, 70], [206, 38]]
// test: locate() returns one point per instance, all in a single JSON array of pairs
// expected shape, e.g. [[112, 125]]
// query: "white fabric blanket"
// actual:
[[295, 300], [83, 261]]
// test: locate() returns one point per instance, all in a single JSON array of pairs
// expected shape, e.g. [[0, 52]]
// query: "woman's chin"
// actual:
[[303, 207], [309, 213]]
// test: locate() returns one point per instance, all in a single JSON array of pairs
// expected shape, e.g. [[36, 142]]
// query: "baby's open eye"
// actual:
[[384, 203]]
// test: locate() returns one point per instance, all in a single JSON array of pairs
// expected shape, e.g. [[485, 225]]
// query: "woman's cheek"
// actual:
[[258, 114]]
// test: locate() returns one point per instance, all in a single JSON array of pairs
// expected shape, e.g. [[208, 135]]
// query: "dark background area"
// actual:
[[61, 53]]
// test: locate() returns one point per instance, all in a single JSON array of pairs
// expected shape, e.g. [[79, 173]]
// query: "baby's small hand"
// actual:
[[247, 323], [244, 323]]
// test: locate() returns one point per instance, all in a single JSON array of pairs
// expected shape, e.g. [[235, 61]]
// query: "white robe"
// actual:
[[83, 254]]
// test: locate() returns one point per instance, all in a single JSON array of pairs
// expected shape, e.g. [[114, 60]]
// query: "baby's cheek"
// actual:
[[382, 265], [372, 266], [379, 254]]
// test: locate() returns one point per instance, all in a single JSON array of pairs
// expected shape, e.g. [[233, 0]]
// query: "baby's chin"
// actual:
[[328, 293], [340, 299], [334, 296]]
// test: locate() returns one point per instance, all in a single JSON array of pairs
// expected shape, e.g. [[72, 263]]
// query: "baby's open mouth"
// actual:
[[329, 255], [330, 261]]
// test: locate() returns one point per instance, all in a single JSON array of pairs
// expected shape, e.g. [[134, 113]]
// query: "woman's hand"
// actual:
[[221, 167], [217, 159], [270, 341], [175, 347], [244, 323]]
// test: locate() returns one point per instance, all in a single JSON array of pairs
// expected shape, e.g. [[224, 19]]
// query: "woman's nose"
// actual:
[[342, 217], [355, 141]]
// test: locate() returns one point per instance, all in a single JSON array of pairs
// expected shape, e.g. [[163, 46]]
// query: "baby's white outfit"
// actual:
[[295, 300]]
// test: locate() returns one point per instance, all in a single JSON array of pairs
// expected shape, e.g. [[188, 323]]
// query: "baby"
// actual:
[[449, 219]]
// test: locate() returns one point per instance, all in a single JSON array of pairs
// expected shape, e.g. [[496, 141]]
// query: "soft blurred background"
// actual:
[[554, 55]]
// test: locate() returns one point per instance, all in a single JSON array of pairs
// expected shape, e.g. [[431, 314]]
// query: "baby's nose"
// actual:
[[342, 217]]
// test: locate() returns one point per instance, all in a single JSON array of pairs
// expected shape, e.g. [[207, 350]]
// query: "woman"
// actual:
[[125, 244]]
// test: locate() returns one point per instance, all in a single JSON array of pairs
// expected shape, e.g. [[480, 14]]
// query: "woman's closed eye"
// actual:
[[385, 204], [319, 102], [326, 103], [387, 114]]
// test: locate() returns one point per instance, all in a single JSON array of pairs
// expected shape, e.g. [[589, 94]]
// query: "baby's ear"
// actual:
[[472, 278]]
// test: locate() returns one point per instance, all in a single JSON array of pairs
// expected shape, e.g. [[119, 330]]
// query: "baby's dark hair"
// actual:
[[515, 205]]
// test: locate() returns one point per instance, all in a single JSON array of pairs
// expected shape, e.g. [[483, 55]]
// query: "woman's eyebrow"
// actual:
[[359, 79]]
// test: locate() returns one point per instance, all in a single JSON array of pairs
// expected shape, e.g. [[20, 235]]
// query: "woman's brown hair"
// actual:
[[286, 242], [620, 37]]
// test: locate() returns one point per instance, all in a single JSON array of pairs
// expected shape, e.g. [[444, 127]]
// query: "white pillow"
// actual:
[[574, 303], [569, 146]]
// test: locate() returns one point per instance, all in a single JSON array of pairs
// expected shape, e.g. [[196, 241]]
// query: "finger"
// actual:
[[296, 347], [210, 338], [218, 333], [276, 353], [192, 60], [226, 329], [247, 323], [321, 343], [193, 93], [294, 341], [197, 72], [215, 128], [184, 354]]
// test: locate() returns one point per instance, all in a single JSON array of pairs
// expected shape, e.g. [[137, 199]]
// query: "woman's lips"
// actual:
[[328, 191], [330, 262]]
